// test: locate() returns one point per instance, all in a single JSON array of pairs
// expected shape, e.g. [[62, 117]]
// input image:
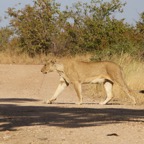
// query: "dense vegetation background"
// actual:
[[83, 28]]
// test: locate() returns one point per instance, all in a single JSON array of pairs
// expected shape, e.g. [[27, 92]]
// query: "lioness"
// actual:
[[78, 72]]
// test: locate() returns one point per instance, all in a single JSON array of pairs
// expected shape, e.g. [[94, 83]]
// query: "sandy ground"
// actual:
[[25, 119]]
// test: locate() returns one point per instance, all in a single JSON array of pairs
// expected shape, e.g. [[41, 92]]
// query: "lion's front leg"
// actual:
[[58, 91], [78, 90]]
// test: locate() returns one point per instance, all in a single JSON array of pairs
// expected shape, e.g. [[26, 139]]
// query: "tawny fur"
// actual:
[[78, 73]]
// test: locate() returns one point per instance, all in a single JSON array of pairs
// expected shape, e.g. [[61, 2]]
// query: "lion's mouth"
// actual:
[[44, 72]]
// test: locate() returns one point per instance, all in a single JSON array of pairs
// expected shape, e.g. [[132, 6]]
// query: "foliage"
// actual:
[[82, 28], [5, 34], [35, 25], [140, 29], [94, 26]]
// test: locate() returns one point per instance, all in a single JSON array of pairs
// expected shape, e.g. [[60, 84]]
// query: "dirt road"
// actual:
[[25, 119]]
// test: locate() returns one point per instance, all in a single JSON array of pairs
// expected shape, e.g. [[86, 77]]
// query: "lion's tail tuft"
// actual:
[[141, 91]]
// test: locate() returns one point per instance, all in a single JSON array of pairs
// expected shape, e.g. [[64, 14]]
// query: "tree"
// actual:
[[84, 27], [36, 25], [5, 34], [94, 27], [140, 24]]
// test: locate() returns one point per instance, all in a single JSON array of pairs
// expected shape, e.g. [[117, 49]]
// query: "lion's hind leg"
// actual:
[[109, 92]]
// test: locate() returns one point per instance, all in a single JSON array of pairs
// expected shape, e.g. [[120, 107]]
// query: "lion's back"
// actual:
[[79, 68]]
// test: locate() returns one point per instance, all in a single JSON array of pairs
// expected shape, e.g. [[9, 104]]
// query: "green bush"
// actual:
[[35, 25], [5, 34], [82, 28]]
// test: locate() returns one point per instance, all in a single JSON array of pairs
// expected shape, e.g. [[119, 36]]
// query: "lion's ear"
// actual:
[[53, 61]]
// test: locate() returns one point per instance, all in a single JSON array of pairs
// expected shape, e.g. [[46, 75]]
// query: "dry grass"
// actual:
[[134, 74], [13, 58], [10, 57]]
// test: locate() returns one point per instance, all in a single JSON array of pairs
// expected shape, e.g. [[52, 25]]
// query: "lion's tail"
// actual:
[[141, 91]]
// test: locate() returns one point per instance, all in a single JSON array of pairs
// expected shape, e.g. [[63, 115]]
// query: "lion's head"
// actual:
[[49, 66]]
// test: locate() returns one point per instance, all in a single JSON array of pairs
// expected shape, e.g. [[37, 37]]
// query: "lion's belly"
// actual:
[[94, 80], [98, 80]]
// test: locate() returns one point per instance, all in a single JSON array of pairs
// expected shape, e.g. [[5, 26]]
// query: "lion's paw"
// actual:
[[102, 103]]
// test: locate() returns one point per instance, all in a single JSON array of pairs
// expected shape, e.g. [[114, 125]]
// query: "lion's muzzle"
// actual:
[[44, 72]]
